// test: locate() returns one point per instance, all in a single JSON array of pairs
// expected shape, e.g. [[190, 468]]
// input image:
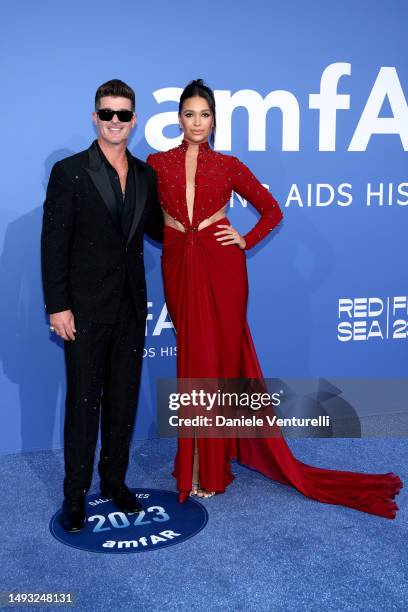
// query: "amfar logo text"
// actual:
[[327, 102]]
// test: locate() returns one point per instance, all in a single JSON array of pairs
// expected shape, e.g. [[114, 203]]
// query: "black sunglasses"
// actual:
[[106, 114]]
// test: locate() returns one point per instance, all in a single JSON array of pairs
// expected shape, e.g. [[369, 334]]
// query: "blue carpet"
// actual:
[[265, 547]]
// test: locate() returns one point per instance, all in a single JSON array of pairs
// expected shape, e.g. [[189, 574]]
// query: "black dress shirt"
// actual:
[[126, 201]]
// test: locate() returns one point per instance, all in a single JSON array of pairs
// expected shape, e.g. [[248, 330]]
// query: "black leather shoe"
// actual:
[[122, 497], [72, 518]]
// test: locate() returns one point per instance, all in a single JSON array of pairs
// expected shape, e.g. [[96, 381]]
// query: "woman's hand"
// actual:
[[229, 235]]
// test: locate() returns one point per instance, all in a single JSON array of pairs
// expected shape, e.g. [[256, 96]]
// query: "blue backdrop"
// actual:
[[312, 96]]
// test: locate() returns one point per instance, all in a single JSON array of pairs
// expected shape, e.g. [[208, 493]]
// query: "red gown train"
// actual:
[[206, 293]]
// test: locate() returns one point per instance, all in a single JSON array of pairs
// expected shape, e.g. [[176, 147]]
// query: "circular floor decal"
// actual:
[[163, 522]]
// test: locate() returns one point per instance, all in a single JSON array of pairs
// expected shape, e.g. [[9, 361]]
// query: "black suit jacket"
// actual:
[[85, 256]]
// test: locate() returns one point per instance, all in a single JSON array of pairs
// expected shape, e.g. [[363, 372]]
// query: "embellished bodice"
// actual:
[[217, 175]]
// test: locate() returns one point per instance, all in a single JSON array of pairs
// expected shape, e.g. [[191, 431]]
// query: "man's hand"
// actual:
[[63, 324]]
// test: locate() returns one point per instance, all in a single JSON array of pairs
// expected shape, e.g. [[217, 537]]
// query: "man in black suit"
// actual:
[[99, 203]]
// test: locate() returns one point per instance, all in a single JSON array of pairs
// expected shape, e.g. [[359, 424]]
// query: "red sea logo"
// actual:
[[164, 522], [372, 318]]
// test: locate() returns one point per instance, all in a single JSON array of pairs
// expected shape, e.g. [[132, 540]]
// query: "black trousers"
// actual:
[[103, 375]]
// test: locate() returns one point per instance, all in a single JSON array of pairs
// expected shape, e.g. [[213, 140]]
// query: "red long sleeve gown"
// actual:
[[206, 293]]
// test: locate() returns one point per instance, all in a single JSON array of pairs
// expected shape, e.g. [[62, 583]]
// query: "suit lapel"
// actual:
[[140, 198], [99, 176]]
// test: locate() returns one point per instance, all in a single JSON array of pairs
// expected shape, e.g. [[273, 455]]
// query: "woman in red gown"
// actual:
[[206, 289]]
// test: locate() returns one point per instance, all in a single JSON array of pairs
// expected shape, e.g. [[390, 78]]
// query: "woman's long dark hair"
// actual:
[[199, 88]]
